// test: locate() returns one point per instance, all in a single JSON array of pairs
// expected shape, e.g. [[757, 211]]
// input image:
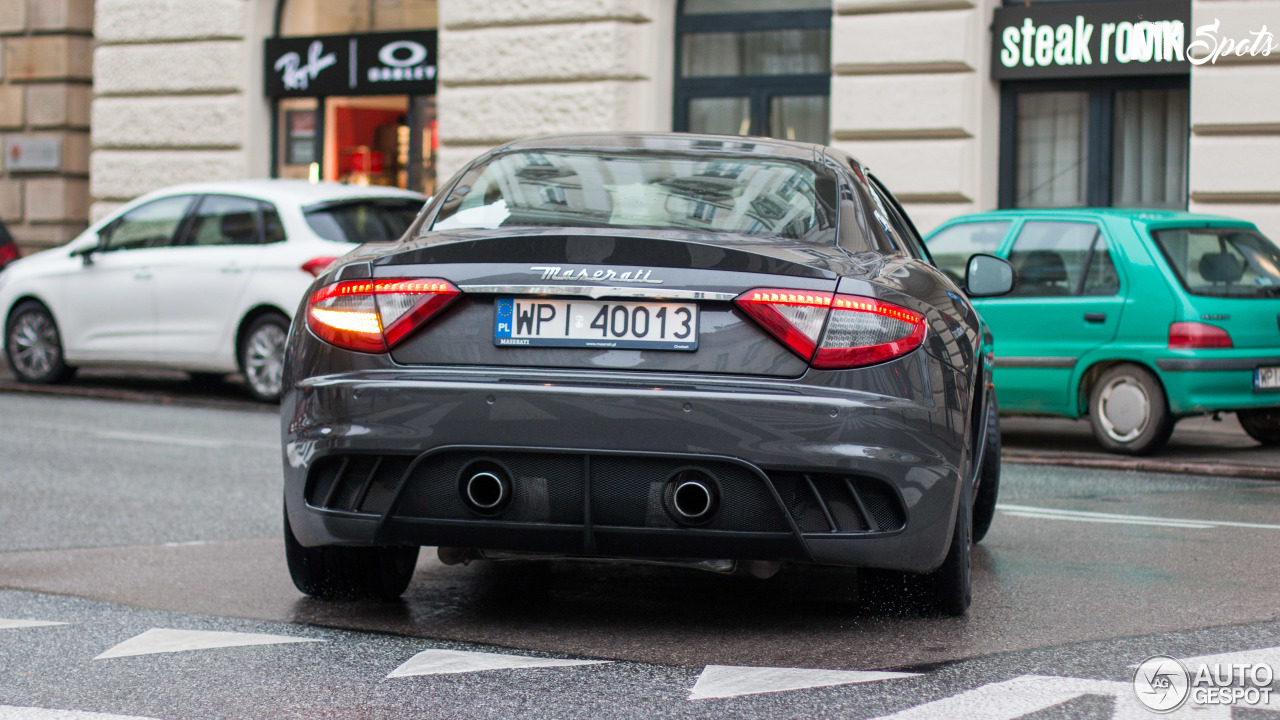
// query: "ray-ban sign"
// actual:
[[1064, 40], [370, 64]]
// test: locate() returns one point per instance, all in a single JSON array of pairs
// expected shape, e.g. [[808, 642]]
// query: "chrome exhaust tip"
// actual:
[[693, 495], [486, 488]]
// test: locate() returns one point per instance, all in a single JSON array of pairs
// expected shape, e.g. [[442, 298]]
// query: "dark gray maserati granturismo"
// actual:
[[730, 353]]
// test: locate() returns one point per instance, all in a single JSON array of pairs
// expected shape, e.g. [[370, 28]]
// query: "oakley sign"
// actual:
[[1090, 40], [370, 64]]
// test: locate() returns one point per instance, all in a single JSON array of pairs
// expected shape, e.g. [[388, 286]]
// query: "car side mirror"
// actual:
[[988, 276], [86, 254]]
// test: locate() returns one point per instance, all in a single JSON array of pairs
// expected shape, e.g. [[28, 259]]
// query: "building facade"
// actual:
[[45, 91], [959, 105]]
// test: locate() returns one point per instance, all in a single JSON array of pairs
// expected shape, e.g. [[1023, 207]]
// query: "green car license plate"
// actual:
[[1266, 378]]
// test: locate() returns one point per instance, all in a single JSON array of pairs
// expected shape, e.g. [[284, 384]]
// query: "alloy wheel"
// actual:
[[264, 359], [36, 349], [1124, 409]]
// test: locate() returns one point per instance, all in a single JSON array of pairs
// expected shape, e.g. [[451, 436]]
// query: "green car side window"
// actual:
[[1062, 259], [952, 247]]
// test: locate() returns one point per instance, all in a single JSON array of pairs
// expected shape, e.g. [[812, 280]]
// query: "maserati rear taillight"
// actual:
[[8, 253], [374, 315], [1197, 336], [859, 330]]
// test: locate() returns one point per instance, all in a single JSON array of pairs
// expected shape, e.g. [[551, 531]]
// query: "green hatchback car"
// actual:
[[1134, 318]]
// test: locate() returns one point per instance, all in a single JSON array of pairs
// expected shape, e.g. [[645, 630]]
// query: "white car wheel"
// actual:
[[262, 356]]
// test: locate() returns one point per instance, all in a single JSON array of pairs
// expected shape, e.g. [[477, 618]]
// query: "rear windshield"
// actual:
[[1222, 262], [747, 195], [361, 221]]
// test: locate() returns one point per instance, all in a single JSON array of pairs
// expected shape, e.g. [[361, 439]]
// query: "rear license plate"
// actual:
[[538, 322], [1266, 378]]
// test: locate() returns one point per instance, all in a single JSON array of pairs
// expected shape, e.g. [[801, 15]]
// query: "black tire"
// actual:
[[261, 356], [1128, 411], [984, 498], [947, 590], [953, 581], [33, 345], [1262, 424], [345, 573]]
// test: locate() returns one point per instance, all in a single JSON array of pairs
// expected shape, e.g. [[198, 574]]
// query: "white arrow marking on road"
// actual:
[[1083, 516], [1028, 694], [10, 712], [11, 624], [448, 662], [160, 640], [722, 681]]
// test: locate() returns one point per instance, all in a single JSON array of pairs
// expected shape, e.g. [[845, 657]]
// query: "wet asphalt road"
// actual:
[[163, 516]]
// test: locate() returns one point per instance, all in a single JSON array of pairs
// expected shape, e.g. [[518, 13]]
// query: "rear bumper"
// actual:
[[806, 473], [1221, 381]]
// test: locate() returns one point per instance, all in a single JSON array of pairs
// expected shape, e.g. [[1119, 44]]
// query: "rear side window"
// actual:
[[362, 221], [272, 228], [951, 248], [224, 220], [1222, 262], [149, 226], [1061, 259]]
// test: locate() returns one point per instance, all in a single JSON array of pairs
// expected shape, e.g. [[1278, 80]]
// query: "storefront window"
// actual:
[[1052, 143], [1149, 152], [1109, 142], [754, 67], [357, 132]]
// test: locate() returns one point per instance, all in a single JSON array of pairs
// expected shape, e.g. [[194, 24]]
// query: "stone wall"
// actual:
[[912, 99], [1235, 115], [514, 68], [177, 95], [45, 88]]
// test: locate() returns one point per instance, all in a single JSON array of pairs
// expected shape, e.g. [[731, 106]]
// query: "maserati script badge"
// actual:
[[609, 275]]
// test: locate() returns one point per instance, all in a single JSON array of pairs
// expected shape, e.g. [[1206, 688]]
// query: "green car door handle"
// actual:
[[1095, 317]]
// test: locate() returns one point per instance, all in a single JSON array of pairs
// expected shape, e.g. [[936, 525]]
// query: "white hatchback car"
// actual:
[[202, 278]]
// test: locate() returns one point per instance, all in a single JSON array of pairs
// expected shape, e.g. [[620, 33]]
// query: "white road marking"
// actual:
[[10, 712], [1084, 516], [1116, 521], [722, 681], [160, 640], [12, 624], [177, 440], [1029, 694], [449, 662]]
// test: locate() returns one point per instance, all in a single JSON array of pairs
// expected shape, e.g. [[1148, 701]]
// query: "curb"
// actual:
[[133, 396], [1174, 467]]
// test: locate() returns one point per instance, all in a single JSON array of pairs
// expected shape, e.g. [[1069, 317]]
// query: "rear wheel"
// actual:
[[953, 582], [1128, 411], [984, 500], [1262, 424], [34, 347], [947, 590], [335, 572], [262, 356]]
